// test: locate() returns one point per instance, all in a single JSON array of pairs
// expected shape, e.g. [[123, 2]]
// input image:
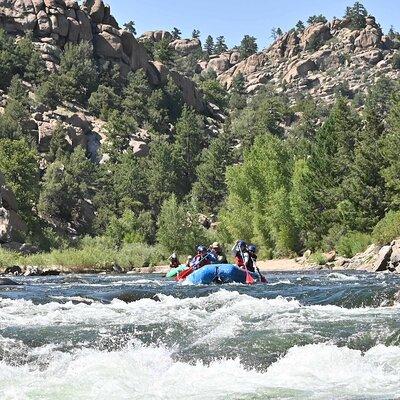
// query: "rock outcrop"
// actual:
[[54, 23], [11, 224], [315, 61]]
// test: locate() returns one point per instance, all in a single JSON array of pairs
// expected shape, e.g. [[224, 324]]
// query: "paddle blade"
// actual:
[[249, 278], [184, 274]]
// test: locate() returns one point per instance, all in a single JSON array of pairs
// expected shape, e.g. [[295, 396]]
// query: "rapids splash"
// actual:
[[304, 336]]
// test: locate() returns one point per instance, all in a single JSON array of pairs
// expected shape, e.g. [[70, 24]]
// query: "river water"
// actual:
[[303, 336]]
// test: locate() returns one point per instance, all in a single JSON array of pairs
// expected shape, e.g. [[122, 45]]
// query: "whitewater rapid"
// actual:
[[62, 341]]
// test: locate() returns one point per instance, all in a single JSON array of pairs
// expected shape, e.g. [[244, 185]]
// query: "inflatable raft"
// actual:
[[219, 273], [175, 271]]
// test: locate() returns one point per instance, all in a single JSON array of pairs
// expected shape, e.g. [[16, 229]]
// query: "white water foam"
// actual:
[[137, 372]]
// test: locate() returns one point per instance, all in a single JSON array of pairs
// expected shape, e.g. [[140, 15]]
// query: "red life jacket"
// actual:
[[239, 260]]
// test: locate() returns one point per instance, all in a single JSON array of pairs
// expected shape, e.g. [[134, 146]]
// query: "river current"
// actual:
[[303, 336]]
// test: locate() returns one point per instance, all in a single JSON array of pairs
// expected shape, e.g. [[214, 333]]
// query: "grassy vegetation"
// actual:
[[91, 255]]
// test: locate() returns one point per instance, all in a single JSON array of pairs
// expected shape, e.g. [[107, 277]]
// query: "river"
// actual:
[[303, 336]]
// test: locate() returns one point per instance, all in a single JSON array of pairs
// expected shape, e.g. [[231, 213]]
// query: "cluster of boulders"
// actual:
[[374, 259], [182, 47], [314, 61], [55, 23], [29, 270]]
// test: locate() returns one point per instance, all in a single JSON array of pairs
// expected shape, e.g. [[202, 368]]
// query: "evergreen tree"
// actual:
[[330, 162], [300, 26], [19, 163], [163, 52], [103, 101], [161, 178], [176, 33], [365, 186], [135, 96], [248, 46], [276, 33], [195, 34], [209, 45], [67, 186], [314, 19], [130, 27], [356, 16], [59, 146], [220, 45], [238, 93], [78, 74], [120, 128], [212, 90], [391, 164], [209, 190], [188, 147]]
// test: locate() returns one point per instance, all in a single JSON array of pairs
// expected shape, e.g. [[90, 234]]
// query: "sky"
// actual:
[[236, 18]]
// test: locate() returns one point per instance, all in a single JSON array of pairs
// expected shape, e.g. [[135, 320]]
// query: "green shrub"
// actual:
[[353, 243], [387, 229], [318, 258]]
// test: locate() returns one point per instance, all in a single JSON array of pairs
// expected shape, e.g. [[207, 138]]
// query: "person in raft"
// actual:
[[242, 256], [174, 260], [202, 258], [216, 250]]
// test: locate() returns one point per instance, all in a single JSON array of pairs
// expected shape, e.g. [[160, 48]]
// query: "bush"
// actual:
[[318, 258], [387, 229], [353, 243], [396, 60]]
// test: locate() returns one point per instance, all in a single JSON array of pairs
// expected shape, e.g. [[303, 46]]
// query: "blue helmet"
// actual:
[[201, 249], [252, 249], [241, 245]]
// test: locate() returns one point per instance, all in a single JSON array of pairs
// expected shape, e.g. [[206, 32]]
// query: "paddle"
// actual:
[[249, 278], [184, 274], [262, 277]]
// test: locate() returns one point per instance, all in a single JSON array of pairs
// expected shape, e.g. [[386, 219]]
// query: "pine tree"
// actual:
[[19, 163], [161, 178], [248, 46], [365, 187], [59, 146], [176, 33], [314, 19], [238, 93], [130, 27], [300, 26], [209, 45], [195, 34], [67, 186], [163, 52], [220, 45], [356, 16], [188, 147], [209, 190]]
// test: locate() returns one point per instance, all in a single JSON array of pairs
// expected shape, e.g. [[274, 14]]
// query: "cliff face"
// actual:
[[314, 61], [54, 23]]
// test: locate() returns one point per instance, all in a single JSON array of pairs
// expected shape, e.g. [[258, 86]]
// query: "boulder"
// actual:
[[219, 65], [46, 130], [108, 45], [85, 27], [11, 225], [299, 69], [315, 35], [185, 46], [156, 36], [96, 10], [382, 262], [369, 37]]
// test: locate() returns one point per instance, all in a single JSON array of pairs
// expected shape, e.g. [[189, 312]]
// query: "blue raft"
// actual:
[[219, 273]]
